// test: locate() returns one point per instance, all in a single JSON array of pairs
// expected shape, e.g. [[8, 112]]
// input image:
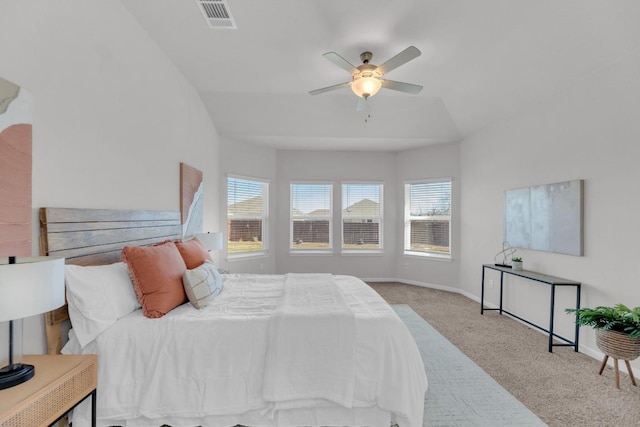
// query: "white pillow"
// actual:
[[202, 284], [98, 296]]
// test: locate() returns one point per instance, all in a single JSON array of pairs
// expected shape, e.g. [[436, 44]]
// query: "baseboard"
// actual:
[[598, 355], [428, 285], [415, 283], [594, 353]]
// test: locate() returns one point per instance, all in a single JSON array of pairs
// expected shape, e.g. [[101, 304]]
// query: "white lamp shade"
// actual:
[[211, 241], [30, 286]]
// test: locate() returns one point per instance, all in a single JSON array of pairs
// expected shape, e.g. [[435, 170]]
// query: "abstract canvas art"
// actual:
[[191, 191], [15, 170], [545, 217]]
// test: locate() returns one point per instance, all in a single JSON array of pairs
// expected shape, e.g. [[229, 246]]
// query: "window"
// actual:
[[361, 217], [427, 225], [247, 216], [311, 217]]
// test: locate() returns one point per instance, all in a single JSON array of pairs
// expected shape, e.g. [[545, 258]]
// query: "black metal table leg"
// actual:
[[482, 293], [577, 331], [501, 284], [93, 407], [551, 313]]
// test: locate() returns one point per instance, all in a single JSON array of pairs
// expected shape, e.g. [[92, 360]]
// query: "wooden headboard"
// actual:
[[95, 237]]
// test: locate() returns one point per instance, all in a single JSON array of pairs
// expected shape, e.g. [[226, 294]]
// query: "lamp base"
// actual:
[[14, 374]]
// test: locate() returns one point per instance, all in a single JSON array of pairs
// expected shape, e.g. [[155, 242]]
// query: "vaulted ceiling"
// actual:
[[482, 60]]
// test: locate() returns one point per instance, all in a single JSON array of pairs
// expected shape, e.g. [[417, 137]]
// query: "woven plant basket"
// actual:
[[617, 344]]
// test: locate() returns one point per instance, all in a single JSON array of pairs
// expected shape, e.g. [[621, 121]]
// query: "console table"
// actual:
[[541, 278]]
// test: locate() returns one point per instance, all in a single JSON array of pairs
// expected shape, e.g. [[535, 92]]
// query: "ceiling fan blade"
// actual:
[[329, 88], [341, 62], [362, 104], [402, 87], [403, 57]]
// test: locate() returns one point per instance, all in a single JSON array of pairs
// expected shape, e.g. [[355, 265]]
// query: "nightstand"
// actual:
[[61, 382]]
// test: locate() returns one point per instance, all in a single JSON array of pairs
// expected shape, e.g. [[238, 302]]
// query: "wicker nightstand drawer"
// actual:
[[59, 384]]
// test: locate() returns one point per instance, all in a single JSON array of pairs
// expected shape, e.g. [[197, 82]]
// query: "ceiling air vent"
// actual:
[[216, 13]]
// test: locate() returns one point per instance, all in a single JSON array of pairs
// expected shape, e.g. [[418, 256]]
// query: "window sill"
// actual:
[[311, 253], [247, 256], [428, 256], [362, 253]]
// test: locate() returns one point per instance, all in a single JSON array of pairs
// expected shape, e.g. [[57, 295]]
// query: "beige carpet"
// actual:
[[562, 388]]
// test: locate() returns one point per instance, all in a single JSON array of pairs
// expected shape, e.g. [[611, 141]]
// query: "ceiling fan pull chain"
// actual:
[[368, 113]]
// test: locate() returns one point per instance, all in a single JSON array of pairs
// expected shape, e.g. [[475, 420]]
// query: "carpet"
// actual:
[[460, 393]]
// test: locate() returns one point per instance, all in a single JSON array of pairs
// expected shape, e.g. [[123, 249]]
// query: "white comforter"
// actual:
[[207, 367], [311, 345]]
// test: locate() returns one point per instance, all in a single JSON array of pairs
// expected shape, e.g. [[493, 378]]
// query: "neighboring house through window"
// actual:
[[311, 217], [362, 217], [247, 216], [427, 226]]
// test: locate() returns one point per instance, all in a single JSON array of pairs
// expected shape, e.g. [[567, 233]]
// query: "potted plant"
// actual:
[[618, 318], [516, 263], [617, 333]]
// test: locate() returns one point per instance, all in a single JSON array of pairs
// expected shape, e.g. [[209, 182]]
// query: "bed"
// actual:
[[269, 350]]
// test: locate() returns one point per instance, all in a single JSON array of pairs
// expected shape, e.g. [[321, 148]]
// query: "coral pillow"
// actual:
[[156, 272], [193, 252]]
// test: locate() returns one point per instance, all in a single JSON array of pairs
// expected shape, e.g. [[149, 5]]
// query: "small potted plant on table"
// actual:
[[617, 333], [516, 263]]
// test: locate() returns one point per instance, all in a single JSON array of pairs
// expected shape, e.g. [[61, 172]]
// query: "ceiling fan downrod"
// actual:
[[365, 57]]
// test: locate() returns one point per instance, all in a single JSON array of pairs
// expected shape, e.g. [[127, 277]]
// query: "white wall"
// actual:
[[589, 130], [336, 167], [113, 118], [251, 161], [440, 161], [281, 167]]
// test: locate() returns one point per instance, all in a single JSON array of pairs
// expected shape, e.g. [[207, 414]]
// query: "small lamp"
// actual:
[[28, 286], [211, 241]]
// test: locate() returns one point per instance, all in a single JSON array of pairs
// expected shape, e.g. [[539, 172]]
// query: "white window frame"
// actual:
[[328, 217], [408, 218], [264, 218], [380, 218]]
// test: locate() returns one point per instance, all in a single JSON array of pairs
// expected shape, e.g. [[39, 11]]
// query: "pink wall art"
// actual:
[[15, 170]]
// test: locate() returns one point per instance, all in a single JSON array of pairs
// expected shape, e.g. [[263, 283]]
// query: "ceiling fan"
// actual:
[[367, 79]]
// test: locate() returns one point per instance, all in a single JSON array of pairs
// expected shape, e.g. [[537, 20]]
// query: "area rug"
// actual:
[[460, 393]]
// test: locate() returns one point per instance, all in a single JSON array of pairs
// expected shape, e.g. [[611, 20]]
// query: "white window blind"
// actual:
[[311, 217], [247, 215], [361, 217], [427, 229]]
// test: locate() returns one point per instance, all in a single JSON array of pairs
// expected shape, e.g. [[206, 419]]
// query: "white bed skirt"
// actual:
[[330, 416]]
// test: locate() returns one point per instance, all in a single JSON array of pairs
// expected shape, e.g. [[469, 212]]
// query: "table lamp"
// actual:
[[211, 241], [28, 286]]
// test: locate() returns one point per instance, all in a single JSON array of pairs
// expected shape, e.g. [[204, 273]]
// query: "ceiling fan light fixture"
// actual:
[[365, 86], [367, 79]]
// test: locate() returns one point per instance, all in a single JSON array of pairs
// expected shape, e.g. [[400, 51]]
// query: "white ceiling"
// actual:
[[481, 61]]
